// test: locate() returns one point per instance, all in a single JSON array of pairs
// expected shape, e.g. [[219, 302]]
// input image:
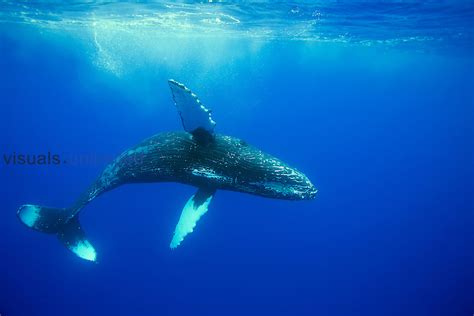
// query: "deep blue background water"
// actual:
[[384, 132]]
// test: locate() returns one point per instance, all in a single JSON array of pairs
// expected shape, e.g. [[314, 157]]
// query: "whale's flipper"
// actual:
[[57, 221], [196, 206], [196, 118]]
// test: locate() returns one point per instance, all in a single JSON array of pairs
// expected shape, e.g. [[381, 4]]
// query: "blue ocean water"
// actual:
[[373, 101]]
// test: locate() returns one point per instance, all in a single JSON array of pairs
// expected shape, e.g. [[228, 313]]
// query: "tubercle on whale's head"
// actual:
[[278, 180], [293, 185], [302, 188]]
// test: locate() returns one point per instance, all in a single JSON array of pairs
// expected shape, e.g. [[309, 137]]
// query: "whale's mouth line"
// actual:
[[284, 190]]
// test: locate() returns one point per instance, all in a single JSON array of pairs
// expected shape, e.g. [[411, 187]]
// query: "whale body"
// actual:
[[196, 156]]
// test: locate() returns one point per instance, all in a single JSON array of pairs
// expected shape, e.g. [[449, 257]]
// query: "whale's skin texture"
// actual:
[[226, 163]]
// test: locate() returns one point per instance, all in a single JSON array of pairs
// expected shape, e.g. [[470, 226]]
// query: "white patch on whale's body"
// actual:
[[210, 174]]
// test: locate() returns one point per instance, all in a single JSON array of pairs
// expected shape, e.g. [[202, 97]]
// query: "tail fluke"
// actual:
[[43, 219], [57, 221], [73, 237]]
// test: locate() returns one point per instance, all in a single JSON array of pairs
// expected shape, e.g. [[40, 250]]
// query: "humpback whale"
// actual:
[[196, 156]]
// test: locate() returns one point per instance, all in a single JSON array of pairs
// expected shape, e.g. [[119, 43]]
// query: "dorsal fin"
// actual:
[[196, 118]]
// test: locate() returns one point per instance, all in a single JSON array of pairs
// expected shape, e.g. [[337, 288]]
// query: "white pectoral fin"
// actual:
[[196, 207], [194, 115]]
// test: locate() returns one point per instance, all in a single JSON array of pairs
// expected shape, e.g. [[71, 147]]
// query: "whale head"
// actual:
[[282, 182], [295, 186], [262, 174]]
